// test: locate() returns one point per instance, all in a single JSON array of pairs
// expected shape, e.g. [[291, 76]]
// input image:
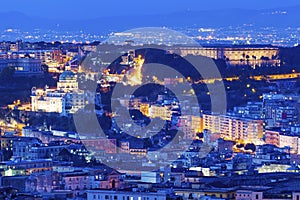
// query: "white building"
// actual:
[[234, 128], [292, 141], [66, 98], [127, 195]]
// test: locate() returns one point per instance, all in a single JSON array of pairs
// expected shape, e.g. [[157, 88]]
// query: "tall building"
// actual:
[[234, 128], [279, 110], [290, 140], [272, 137], [190, 125]]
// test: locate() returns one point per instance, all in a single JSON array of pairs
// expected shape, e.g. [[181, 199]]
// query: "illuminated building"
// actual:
[[45, 56], [290, 140], [58, 56], [15, 46], [248, 195], [128, 195], [272, 137], [211, 123], [67, 82], [144, 108], [259, 194], [234, 128], [206, 193], [285, 115], [67, 98], [25, 167], [54, 59], [190, 125], [173, 81], [151, 177], [112, 180], [138, 151], [124, 147], [6, 143], [45, 151], [132, 76], [162, 112], [45, 100], [236, 55], [80, 181], [271, 168], [278, 110], [107, 145], [23, 66], [47, 136], [251, 110]]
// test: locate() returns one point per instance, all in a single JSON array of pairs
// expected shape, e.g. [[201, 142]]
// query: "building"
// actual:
[[77, 182], [99, 144], [51, 58], [162, 112], [25, 167], [252, 110], [234, 128], [261, 195], [22, 146], [279, 110], [190, 125], [206, 193], [45, 151], [67, 82], [134, 194], [66, 98], [290, 140], [272, 137], [47, 136], [47, 100], [111, 180], [255, 56], [23, 66], [270, 154]]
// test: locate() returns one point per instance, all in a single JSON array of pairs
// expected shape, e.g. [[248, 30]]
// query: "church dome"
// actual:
[[67, 75]]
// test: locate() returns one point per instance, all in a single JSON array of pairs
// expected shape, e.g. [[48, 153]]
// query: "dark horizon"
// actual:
[[96, 9]]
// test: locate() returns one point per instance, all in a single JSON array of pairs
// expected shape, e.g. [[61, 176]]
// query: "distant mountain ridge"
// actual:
[[281, 17]]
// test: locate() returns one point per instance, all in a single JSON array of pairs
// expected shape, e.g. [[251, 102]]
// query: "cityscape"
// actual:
[[185, 102]]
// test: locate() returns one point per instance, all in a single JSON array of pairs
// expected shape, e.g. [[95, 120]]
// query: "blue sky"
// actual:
[[83, 9]]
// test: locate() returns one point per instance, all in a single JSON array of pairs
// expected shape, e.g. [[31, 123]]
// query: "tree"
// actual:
[[7, 73], [45, 68], [250, 147]]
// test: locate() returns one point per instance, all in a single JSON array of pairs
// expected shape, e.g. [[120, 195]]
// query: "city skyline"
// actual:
[[154, 100]]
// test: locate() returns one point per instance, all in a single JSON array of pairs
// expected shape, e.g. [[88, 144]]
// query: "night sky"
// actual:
[[85, 9]]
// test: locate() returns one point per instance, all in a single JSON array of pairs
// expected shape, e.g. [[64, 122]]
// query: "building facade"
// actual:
[[66, 98]]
